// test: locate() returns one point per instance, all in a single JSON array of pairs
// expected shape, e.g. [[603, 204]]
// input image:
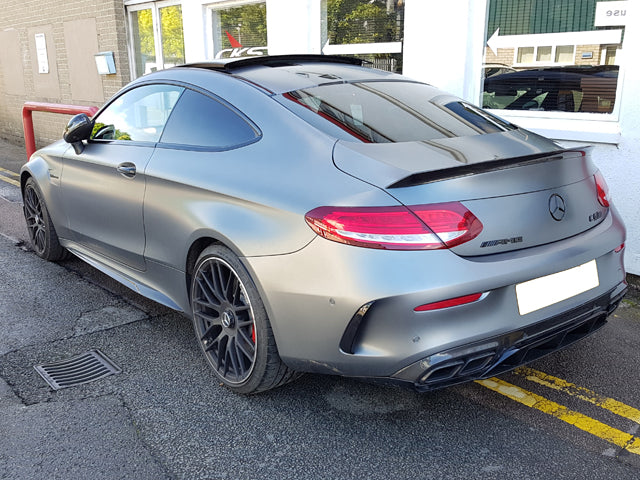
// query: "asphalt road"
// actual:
[[165, 416]]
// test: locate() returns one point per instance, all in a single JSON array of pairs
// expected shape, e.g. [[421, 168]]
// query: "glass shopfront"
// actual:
[[238, 29], [552, 56]]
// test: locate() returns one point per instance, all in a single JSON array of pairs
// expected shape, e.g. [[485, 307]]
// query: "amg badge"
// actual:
[[502, 241]]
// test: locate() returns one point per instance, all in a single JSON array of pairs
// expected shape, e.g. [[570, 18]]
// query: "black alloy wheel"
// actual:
[[224, 320], [42, 233], [231, 324]]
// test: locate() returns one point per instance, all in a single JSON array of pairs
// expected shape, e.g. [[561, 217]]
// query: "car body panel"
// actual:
[[397, 161], [112, 225], [147, 231], [217, 198], [327, 283], [46, 167]]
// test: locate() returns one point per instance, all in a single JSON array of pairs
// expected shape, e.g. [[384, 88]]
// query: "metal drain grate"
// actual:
[[84, 368]]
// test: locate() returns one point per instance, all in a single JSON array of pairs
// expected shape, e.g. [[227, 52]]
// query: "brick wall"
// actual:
[[19, 78], [594, 50], [504, 56]]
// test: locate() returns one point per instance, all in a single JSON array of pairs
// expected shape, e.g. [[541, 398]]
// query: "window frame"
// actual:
[[154, 6]]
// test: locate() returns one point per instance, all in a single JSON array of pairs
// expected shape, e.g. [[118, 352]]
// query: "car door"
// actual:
[[103, 187]]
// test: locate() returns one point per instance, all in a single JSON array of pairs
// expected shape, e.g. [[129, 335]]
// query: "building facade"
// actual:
[[562, 68]]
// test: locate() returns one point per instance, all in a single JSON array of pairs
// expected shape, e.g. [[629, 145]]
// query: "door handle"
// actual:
[[127, 169]]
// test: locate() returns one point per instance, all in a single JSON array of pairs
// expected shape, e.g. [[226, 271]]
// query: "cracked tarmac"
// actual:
[[165, 416]]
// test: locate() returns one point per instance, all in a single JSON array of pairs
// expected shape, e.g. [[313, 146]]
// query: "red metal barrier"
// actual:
[[27, 118]]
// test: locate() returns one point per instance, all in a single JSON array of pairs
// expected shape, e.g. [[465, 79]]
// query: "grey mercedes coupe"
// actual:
[[313, 215]]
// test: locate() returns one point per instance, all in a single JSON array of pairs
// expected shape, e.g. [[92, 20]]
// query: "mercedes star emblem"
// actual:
[[557, 207]]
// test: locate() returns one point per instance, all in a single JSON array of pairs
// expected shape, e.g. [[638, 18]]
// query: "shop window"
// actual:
[[157, 37], [555, 57], [368, 29], [238, 30]]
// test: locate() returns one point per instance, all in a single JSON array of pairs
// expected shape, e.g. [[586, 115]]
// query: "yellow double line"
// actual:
[[624, 440], [5, 176]]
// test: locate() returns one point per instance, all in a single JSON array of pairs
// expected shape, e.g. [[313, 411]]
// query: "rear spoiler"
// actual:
[[423, 178]]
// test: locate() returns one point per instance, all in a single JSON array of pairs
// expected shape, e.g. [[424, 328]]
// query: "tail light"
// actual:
[[419, 227], [602, 189]]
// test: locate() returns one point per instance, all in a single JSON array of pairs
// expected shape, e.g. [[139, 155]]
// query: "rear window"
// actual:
[[392, 111]]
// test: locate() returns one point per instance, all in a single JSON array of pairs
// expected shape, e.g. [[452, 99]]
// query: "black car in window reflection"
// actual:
[[562, 89]]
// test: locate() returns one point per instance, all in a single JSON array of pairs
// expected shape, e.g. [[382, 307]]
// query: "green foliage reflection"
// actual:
[[247, 24], [363, 21], [108, 132], [172, 35]]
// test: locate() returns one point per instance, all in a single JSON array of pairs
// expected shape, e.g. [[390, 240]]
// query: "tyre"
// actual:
[[232, 326], [42, 233]]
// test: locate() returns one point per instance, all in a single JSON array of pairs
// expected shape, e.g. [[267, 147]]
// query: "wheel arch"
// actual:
[[201, 243], [198, 243], [196, 248], [24, 176]]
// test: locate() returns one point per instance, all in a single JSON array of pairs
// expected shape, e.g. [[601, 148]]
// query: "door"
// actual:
[[103, 187]]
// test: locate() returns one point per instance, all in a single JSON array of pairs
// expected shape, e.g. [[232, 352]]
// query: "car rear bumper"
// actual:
[[510, 350], [313, 296]]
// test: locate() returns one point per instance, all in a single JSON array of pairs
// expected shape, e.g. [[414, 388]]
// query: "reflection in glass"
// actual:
[[139, 114], [544, 54], [172, 35], [525, 55], [381, 112], [567, 64], [143, 42], [564, 54], [240, 31], [347, 22]]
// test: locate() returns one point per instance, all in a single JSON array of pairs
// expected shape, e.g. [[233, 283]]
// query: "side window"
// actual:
[[138, 115], [201, 121]]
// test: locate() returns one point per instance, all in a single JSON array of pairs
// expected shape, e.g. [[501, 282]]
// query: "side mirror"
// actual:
[[79, 128]]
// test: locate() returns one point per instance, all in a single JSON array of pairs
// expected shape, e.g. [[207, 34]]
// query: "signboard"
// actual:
[[41, 53], [613, 14]]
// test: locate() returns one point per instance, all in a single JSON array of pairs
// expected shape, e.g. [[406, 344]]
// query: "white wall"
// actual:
[[443, 44], [293, 26], [621, 164], [194, 22]]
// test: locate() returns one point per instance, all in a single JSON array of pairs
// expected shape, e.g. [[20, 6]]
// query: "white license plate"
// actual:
[[544, 291]]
